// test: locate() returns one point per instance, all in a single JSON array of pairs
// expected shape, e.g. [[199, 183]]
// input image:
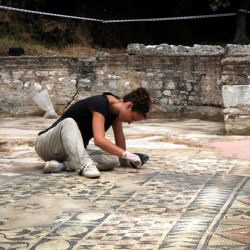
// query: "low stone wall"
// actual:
[[235, 83], [22, 77], [197, 82], [183, 80]]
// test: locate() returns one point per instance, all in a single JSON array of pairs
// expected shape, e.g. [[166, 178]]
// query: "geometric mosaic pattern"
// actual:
[[189, 198]]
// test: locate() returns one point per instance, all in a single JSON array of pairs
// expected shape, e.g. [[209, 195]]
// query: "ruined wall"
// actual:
[[22, 77], [235, 81], [182, 80]]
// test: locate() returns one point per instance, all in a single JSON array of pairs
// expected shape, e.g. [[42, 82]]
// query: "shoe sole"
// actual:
[[91, 177]]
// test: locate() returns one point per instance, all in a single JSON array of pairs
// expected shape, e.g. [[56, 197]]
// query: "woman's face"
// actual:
[[129, 116]]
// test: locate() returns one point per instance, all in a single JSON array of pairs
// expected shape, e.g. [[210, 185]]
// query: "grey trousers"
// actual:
[[64, 143]]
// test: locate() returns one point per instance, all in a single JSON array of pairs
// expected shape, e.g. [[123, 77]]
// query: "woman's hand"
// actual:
[[132, 158]]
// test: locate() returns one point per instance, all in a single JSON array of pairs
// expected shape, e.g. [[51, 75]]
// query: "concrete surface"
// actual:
[[194, 192]]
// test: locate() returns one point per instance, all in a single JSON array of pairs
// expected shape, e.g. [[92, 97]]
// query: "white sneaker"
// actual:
[[53, 167], [90, 171]]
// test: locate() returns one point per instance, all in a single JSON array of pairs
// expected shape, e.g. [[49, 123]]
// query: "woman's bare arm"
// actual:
[[118, 134], [100, 139]]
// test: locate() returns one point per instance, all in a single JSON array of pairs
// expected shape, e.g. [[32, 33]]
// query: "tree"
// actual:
[[241, 18], [241, 31]]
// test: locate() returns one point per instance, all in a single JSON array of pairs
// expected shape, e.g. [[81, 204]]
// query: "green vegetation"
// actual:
[[39, 34]]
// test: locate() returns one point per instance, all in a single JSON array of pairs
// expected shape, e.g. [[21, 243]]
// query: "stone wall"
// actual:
[[235, 83], [182, 80], [22, 77], [196, 81]]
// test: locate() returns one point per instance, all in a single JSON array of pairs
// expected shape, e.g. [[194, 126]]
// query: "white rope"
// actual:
[[118, 21], [49, 14], [168, 18], [243, 11]]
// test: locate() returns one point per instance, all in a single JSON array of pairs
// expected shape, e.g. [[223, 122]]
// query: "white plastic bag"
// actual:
[[43, 101]]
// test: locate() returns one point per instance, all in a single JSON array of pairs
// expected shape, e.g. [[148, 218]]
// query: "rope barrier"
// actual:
[[168, 18], [243, 11], [49, 14], [121, 20]]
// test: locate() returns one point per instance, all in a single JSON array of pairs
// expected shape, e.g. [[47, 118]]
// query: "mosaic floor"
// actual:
[[188, 196]]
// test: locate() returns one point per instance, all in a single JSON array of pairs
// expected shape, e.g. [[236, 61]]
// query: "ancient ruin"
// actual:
[[208, 82]]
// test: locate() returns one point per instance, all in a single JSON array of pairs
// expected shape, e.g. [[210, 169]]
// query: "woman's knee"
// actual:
[[107, 166], [69, 122], [70, 127], [104, 161]]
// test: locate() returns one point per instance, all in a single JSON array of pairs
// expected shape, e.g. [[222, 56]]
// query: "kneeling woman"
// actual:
[[63, 145]]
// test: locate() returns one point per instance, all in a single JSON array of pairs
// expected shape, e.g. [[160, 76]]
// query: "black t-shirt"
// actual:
[[82, 113]]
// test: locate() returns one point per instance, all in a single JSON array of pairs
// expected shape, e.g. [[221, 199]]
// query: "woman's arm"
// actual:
[[100, 139], [119, 135], [108, 146]]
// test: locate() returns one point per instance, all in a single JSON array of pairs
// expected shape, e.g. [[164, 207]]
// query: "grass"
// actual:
[[34, 48]]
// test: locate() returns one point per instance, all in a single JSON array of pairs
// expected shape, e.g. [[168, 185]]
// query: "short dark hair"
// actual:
[[140, 97]]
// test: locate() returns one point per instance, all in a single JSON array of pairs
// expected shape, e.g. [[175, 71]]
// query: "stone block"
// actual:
[[237, 120], [237, 127], [236, 95], [237, 50]]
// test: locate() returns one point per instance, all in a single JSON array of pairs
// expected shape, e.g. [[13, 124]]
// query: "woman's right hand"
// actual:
[[134, 158]]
